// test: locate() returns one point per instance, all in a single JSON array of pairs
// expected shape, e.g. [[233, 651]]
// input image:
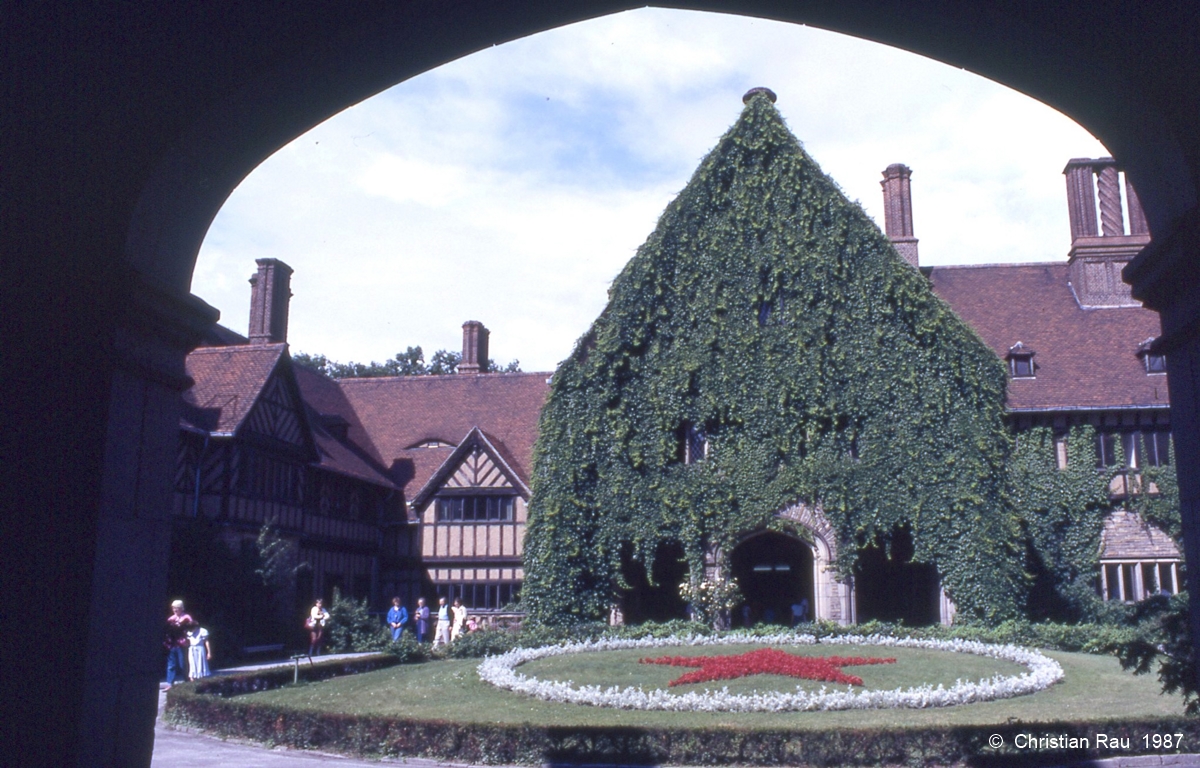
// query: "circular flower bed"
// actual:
[[1042, 673]]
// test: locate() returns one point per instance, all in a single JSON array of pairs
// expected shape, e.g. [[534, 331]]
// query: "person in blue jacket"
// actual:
[[397, 617]]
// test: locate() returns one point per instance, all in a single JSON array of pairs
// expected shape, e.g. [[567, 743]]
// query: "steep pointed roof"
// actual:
[[771, 311], [228, 381]]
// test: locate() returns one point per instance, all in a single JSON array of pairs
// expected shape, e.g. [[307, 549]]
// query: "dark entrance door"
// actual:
[[659, 601], [888, 586], [774, 571]]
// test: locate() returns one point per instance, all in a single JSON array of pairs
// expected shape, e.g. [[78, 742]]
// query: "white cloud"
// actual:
[[511, 186]]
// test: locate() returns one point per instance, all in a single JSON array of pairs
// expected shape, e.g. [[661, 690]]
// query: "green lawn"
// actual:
[[1095, 687]]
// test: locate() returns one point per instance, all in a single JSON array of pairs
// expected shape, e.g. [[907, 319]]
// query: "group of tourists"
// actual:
[[187, 645], [452, 621]]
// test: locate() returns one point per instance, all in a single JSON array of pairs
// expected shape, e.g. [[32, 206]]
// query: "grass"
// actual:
[[1095, 688]]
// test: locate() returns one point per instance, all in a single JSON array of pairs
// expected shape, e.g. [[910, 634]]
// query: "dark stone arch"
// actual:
[[774, 571], [654, 595], [890, 586], [126, 128]]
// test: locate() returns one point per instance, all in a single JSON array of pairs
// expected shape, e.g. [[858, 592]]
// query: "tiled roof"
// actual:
[[397, 414], [323, 397], [228, 382], [1127, 536], [1085, 358]]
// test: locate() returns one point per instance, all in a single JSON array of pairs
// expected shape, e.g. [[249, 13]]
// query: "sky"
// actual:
[[511, 186]]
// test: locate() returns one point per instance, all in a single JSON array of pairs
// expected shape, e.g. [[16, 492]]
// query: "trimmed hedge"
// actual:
[[224, 686]]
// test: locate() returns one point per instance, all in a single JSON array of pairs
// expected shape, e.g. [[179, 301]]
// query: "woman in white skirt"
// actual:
[[199, 652]]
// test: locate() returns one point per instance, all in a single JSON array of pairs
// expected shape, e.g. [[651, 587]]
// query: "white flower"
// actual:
[[1042, 673]]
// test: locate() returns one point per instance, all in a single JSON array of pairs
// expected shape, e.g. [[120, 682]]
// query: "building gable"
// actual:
[[277, 414], [476, 463], [478, 470]]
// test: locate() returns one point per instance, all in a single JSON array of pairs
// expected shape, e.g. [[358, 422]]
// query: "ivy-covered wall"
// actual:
[[770, 312]]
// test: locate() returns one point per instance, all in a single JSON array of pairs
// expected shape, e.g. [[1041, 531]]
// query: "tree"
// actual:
[[410, 362], [768, 346]]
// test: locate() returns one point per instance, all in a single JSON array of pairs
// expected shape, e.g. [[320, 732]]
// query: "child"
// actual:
[[199, 652]]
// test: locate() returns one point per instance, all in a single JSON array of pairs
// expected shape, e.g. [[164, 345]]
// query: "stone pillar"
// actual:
[[126, 607], [1166, 277]]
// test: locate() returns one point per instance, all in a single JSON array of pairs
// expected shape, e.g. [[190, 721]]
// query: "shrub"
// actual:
[[352, 629], [407, 650]]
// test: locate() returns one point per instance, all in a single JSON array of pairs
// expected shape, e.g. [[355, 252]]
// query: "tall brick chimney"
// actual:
[[270, 292], [897, 211], [1100, 245], [475, 348]]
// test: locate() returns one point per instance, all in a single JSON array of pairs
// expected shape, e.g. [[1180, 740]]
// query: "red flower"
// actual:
[[767, 661]]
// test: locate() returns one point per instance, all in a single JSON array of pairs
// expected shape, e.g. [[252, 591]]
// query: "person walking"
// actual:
[[422, 620], [458, 619], [199, 652], [315, 624], [175, 642], [397, 617], [441, 633]]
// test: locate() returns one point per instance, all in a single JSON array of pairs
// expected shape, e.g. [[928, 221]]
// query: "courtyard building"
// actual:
[[420, 485]]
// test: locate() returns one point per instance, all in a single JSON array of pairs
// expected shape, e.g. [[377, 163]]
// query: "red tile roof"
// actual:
[[1085, 358], [228, 382], [323, 397], [397, 414]]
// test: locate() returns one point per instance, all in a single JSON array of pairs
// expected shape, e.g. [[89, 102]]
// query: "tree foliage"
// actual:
[[410, 362], [770, 314]]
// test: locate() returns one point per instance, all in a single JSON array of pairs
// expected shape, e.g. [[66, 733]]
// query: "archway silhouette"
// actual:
[[125, 131], [889, 586], [774, 572], [654, 596]]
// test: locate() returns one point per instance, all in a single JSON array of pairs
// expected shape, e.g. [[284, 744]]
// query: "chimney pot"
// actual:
[[475, 348], [270, 292], [897, 211]]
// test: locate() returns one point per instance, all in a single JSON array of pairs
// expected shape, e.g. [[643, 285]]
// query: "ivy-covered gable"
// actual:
[[767, 346]]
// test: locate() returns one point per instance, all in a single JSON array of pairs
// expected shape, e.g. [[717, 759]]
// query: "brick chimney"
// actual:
[[475, 348], [897, 211], [1100, 244], [270, 292]]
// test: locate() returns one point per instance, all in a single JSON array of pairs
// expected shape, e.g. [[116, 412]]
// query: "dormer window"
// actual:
[[1020, 361], [1153, 360], [693, 443]]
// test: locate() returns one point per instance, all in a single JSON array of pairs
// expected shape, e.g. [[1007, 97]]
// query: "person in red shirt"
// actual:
[[176, 642]]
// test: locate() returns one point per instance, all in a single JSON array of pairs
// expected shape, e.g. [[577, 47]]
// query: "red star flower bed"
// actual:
[[767, 661]]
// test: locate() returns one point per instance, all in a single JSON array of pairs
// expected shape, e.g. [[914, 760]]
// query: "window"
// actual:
[[1020, 361], [1154, 360], [695, 444], [475, 509], [1139, 449], [482, 596], [1132, 581]]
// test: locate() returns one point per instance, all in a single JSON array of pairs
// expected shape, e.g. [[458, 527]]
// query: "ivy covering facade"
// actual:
[[766, 347]]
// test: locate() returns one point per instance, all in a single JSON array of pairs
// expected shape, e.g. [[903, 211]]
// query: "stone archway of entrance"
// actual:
[[657, 598], [774, 571], [889, 586]]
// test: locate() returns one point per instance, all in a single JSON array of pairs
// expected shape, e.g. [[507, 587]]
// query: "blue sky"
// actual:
[[512, 185]]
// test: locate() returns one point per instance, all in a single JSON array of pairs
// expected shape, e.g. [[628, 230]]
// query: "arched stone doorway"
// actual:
[[654, 596], [774, 571], [889, 586]]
